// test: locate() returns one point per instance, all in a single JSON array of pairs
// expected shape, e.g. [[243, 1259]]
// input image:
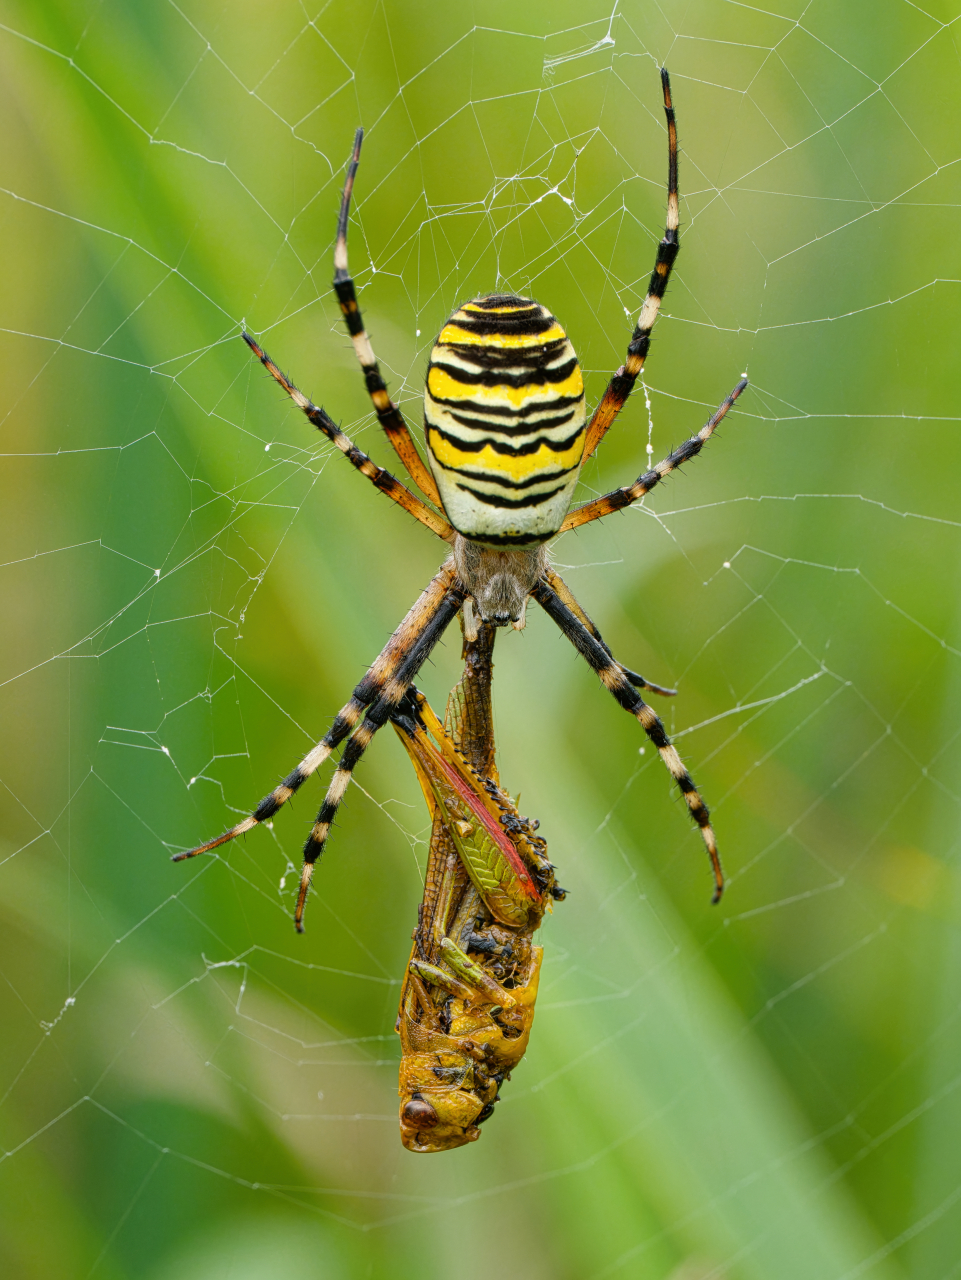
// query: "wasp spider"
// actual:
[[506, 435]]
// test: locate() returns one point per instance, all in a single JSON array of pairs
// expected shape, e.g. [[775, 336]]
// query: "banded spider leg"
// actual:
[[381, 690]]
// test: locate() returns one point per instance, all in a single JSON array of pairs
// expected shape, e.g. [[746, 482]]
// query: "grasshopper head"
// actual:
[[441, 1098]]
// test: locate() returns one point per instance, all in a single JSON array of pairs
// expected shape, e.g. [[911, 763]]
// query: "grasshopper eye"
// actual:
[[420, 1114]]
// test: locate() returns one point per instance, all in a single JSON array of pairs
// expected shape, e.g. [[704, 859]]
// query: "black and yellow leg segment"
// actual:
[[378, 477], [388, 414], [432, 609], [622, 383], [564, 593], [617, 499], [357, 744], [616, 681], [390, 697]]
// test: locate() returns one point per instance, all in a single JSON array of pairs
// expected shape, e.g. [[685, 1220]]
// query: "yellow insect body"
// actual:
[[504, 419], [467, 1003]]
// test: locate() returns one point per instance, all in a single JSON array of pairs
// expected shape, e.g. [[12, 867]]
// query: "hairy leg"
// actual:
[[615, 679]]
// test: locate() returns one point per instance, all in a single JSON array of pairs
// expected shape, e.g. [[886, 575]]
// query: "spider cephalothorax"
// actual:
[[500, 581], [506, 437]]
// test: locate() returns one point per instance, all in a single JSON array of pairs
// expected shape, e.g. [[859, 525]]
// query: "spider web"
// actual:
[[765, 1088]]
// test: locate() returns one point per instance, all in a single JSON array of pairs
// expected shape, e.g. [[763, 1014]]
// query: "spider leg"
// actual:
[[357, 744], [622, 383], [620, 498], [615, 680], [416, 635], [390, 698], [388, 414], [564, 593], [382, 479]]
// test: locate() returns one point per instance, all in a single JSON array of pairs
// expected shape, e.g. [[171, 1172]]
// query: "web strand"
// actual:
[[194, 591]]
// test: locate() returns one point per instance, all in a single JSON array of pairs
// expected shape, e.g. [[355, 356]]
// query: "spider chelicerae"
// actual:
[[506, 436]]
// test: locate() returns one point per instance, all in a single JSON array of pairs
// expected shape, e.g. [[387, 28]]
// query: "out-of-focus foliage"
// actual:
[[192, 585]]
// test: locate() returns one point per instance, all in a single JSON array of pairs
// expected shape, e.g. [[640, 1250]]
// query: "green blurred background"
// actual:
[[192, 584]]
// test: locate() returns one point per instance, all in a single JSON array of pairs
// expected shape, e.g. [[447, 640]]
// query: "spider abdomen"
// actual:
[[504, 420]]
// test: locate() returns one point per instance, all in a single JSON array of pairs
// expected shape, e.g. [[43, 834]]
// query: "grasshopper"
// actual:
[[467, 1002]]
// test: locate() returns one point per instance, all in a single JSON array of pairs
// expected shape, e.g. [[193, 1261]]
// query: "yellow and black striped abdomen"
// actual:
[[504, 420]]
